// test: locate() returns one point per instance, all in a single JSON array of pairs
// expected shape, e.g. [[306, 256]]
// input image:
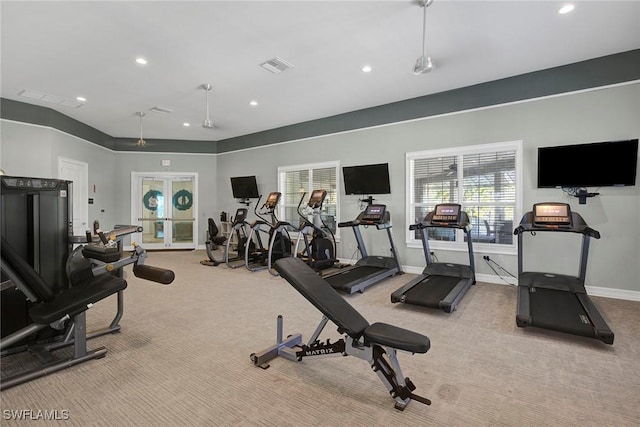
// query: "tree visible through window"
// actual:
[[484, 179]]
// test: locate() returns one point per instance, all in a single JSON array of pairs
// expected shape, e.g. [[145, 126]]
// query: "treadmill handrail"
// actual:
[[579, 226], [354, 223]]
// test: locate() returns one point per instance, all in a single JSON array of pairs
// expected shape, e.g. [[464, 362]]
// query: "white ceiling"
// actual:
[[88, 48]]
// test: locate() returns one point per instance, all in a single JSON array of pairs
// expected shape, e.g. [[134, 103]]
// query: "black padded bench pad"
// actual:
[[101, 253], [75, 300], [320, 293], [392, 336]]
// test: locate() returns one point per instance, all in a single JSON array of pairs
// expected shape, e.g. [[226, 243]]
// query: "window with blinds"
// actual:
[[484, 179], [295, 181]]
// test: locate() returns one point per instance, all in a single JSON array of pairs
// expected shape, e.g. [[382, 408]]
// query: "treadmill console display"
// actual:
[[317, 198], [374, 214], [272, 200], [447, 213], [552, 215]]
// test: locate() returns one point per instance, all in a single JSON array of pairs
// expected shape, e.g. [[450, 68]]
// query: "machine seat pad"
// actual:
[[101, 253], [75, 299], [399, 338], [320, 293]]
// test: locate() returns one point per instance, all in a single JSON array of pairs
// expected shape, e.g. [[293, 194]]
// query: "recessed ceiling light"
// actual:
[[366, 69], [141, 61], [185, 124], [253, 103], [81, 98], [566, 9]]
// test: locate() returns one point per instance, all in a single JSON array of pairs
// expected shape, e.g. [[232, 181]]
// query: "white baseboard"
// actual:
[[613, 293]]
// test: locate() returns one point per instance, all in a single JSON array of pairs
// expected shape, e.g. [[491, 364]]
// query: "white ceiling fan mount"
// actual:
[[424, 64], [207, 123], [141, 142]]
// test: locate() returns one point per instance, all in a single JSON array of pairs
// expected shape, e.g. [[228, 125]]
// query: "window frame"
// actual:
[[459, 244], [282, 171]]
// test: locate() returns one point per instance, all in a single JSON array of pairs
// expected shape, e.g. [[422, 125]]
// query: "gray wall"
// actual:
[[598, 115], [202, 164], [31, 150]]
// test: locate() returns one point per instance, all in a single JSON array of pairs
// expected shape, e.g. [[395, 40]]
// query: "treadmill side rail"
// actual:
[[600, 327], [523, 315]]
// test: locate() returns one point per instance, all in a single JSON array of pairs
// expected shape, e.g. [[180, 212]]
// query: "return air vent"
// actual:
[[276, 65], [51, 99], [161, 110]]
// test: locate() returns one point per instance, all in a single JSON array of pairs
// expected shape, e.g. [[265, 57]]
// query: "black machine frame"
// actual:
[[54, 285], [558, 301]]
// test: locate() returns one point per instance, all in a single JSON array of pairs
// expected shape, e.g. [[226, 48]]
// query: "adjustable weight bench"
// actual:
[[376, 343]]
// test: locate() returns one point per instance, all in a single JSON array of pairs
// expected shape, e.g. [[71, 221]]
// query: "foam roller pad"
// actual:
[[155, 274]]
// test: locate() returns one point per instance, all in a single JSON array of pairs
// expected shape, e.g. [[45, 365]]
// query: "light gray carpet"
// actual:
[[182, 359]]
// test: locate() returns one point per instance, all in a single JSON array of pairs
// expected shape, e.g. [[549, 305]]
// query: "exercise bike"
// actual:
[[214, 240], [233, 245], [319, 252]]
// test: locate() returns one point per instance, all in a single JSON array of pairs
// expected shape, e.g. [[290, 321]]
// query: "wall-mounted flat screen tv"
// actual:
[[598, 164], [244, 187], [367, 179]]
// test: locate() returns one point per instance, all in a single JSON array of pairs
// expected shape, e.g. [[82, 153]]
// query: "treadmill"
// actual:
[[369, 269], [555, 301], [441, 284]]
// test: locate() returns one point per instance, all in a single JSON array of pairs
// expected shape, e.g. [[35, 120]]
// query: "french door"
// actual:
[[165, 205]]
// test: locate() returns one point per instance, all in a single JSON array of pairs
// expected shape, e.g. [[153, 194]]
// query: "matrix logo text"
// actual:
[[30, 414]]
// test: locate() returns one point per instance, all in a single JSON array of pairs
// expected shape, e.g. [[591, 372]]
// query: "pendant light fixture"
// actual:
[[207, 123], [141, 142], [424, 64]]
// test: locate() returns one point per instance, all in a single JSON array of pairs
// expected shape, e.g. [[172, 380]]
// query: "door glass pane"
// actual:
[[182, 210], [153, 211]]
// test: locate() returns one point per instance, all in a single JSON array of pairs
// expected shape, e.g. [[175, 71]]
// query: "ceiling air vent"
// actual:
[[51, 99], [276, 65], [161, 110]]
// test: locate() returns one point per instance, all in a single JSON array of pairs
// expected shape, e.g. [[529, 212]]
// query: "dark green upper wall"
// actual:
[[44, 116], [607, 70]]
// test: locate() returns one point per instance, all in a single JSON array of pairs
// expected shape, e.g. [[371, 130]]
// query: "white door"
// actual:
[[78, 172], [164, 204]]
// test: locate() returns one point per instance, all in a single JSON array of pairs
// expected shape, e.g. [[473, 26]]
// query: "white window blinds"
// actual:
[[483, 179]]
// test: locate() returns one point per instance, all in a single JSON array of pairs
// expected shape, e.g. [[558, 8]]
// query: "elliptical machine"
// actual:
[[238, 240], [275, 232], [319, 253]]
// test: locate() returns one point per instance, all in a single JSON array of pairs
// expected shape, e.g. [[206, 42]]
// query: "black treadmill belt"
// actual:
[[431, 291], [340, 280], [559, 311]]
